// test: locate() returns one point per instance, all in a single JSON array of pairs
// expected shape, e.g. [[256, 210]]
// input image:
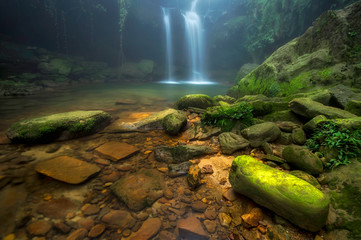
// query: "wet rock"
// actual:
[[199, 206], [180, 153], [140, 189], [260, 133], [150, 228], [78, 234], [224, 219], [152, 122], [230, 195], [57, 208], [67, 169], [194, 176], [61, 126], [176, 170], [62, 227], [231, 142], [119, 219], [168, 194], [201, 101], [207, 169], [302, 159], [86, 223], [116, 150], [253, 218], [173, 123], [53, 148], [96, 230], [299, 136], [39, 228], [286, 195], [310, 109], [210, 226], [211, 213], [90, 209], [191, 228]]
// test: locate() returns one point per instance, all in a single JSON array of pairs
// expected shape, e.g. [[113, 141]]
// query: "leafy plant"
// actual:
[[347, 143], [226, 116]]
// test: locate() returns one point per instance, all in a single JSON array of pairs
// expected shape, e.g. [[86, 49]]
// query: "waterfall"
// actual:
[[194, 36], [168, 35]]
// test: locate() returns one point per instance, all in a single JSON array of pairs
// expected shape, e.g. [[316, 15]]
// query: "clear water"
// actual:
[[147, 97]]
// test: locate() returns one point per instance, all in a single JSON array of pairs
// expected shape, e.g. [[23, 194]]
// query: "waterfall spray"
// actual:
[[168, 35]]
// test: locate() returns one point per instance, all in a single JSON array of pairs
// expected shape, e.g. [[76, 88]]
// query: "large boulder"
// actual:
[[303, 159], [61, 126], [344, 190], [180, 153], [310, 109], [231, 142], [286, 195], [194, 100], [354, 107], [260, 133], [140, 189], [174, 122]]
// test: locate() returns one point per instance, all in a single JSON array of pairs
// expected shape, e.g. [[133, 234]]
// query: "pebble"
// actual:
[[37, 228], [79, 234], [210, 226], [90, 209], [62, 227], [168, 194], [199, 206], [96, 230], [210, 213], [230, 195], [224, 219], [253, 218], [207, 169], [86, 223]]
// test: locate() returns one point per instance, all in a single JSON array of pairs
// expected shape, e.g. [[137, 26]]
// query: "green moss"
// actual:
[[295, 85], [194, 100]]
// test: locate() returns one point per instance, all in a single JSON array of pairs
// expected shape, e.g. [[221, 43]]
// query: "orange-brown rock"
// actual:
[[119, 219], [116, 150], [230, 195], [191, 228], [96, 230], [90, 209], [37, 228], [79, 234], [194, 176], [57, 208], [150, 228], [67, 169], [252, 219]]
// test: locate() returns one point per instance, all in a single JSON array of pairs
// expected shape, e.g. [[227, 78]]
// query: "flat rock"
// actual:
[[180, 153], [310, 109], [67, 169], [150, 228], [96, 230], [61, 126], [191, 228], [57, 208], [119, 219], [140, 189], [286, 195], [39, 228], [116, 150]]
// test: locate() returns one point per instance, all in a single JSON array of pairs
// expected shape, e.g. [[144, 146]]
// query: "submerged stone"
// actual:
[[286, 195], [67, 169], [116, 150], [174, 122], [61, 126], [181, 153]]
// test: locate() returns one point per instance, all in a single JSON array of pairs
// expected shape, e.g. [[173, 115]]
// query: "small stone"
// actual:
[[207, 169], [262, 229], [224, 219], [230, 195], [194, 176], [86, 223], [116, 150], [102, 161], [62, 227], [96, 230], [210, 226], [119, 219], [199, 206], [79, 234], [253, 218], [210, 213], [112, 177], [90, 209], [150, 228], [39, 228], [191, 228], [126, 233], [168, 194]]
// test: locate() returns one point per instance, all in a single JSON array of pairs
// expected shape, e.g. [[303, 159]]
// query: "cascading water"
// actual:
[[194, 36], [168, 35]]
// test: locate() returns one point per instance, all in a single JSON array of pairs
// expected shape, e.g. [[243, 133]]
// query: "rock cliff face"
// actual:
[[328, 53]]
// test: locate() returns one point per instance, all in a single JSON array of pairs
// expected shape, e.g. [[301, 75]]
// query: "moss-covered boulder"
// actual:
[[310, 109], [286, 115], [311, 125], [260, 133], [194, 100], [180, 153], [302, 159], [174, 122], [307, 177], [354, 107], [61, 126], [231, 142], [349, 123], [299, 136], [223, 98], [345, 195], [286, 195]]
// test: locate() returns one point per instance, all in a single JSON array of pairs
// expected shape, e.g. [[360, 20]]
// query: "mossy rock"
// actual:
[[286, 195], [286, 115], [61, 126], [174, 122], [231, 142], [345, 195], [354, 106], [260, 133], [310, 109], [307, 177], [223, 98], [311, 125], [181, 153], [194, 100], [349, 123], [299, 136], [302, 159]]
